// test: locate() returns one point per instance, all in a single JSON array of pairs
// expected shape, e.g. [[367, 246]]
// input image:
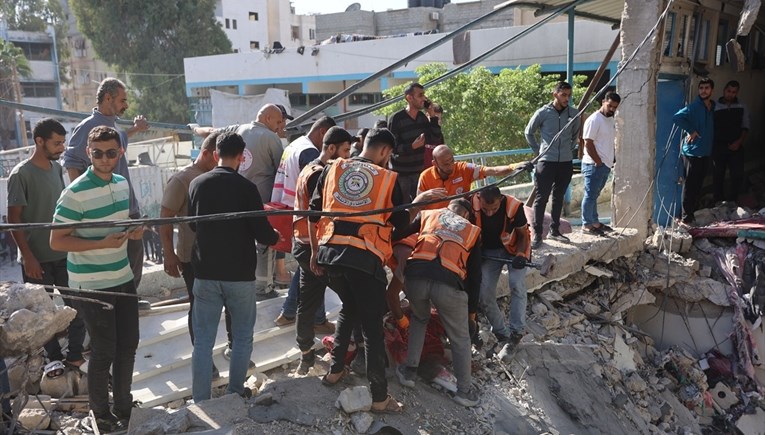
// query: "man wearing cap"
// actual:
[[281, 131], [296, 156]]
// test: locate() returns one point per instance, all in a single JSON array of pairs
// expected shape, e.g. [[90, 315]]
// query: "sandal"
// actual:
[[387, 406], [325, 380]]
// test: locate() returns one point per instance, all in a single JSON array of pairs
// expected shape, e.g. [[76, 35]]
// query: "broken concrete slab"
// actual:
[[355, 399], [29, 318], [667, 239], [700, 289], [752, 424]]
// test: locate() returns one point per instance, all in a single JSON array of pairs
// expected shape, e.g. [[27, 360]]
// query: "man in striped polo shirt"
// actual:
[[97, 259]]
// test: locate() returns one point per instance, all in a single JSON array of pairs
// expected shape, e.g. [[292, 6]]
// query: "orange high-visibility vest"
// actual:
[[447, 236], [302, 200], [508, 238], [357, 186]]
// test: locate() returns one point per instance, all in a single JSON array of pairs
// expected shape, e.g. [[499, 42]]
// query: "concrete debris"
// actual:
[[752, 424], [539, 309], [635, 383], [34, 419], [225, 411], [362, 421], [66, 385], [671, 240], [29, 318], [354, 399]]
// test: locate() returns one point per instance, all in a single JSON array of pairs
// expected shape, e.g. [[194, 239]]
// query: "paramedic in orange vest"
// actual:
[[455, 177], [352, 252], [445, 270], [504, 234], [336, 144]]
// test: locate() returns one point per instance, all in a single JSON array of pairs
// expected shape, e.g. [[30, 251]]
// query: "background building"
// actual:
[[256, 25]]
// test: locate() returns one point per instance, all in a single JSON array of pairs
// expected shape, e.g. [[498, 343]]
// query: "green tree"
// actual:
[[36, 16], [148, 39], [486, 111], [13, 65]]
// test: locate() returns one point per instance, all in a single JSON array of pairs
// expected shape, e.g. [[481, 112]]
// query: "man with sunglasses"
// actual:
[[111, 103], [97, 259]]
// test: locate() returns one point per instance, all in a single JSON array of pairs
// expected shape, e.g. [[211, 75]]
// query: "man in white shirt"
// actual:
[[599, 135]]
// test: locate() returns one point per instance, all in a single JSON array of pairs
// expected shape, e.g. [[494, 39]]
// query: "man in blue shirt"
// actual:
[[697, 120]]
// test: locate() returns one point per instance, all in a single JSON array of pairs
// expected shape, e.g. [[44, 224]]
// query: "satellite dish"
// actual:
[[353, 7]]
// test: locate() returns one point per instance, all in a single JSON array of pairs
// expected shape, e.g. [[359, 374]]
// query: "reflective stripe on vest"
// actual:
[[508, 239], [302, 200], [447, 236], [356, 186]]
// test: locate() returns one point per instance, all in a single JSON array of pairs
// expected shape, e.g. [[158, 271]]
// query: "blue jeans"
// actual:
[[209, 299], [595, 178], [490, 271], [290, 306]]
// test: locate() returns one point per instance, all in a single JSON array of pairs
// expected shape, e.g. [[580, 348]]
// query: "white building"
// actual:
[[322, 71], [256, 25]]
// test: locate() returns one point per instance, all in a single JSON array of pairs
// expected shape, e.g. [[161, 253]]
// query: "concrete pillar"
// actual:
[[636, 118]]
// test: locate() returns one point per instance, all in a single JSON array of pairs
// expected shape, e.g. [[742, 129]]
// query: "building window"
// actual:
[[38, 90], [669, 34], [35, 50], [253, 16], [254, 45], [364, 98], [233, 24], [311, 34], [295, 32], [722, 39], [236, 50], [228, 23]]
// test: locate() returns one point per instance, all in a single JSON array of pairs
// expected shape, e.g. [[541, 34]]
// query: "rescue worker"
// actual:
[[505, 239], [337, 144], [445, 270], [352, 252]]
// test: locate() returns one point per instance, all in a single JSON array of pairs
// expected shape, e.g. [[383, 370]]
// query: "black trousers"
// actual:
[[113, 341], [550, 177], [188, 278], [310, 298], [725, 160], [363, 300], [54, 273], [695, 171]]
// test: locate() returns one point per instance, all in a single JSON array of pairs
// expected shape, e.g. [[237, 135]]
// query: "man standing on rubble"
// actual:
[[555, 167], [505, 240], [223, 258], [731, 130], [34, 186], [111, 104], [352, 251], [175, 202], [413, 129], [98, 260], [337, 144], [599, 136], [697, 120], [445, 270]]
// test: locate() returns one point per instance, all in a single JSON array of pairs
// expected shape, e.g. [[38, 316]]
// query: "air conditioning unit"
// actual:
[[435, 16]]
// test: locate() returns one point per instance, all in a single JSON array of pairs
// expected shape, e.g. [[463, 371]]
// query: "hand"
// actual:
[[518, 262], [403, 322], [692, 137], [114, 240], [526, 166], [430, 195], [32, 267], [173, 266], [735, 146], [315, 268], [419, 142], [281, 237], [140, 123], [475, 337], [136, 234]]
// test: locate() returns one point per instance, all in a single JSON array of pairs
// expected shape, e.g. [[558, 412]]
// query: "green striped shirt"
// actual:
[[86, 199]]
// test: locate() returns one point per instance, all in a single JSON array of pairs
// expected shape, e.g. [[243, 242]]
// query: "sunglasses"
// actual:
[[110, 154]]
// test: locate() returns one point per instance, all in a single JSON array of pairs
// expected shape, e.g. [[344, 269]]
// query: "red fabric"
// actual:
[[281, 223], [397, 338], [329, 343]]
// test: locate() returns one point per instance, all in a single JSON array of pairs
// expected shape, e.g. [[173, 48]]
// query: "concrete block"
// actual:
[[354, 399], [362, 421]]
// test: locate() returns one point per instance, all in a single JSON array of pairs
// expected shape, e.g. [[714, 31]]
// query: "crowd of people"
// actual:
[[447, 254]]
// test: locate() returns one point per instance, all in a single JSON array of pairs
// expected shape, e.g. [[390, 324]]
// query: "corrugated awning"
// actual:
[[609, 11]]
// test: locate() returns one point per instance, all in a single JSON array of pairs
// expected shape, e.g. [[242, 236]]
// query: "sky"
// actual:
[[330, 6]]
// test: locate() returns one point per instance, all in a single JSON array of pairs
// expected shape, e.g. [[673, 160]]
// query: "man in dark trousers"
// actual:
[[731, 129], [554, 167], [413, 129], [352, 251], [223, 260]]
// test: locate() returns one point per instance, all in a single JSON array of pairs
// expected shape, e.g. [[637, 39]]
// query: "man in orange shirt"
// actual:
[[455, 177]]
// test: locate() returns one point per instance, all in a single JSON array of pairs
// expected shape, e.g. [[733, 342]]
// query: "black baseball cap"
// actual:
[[284, 112]]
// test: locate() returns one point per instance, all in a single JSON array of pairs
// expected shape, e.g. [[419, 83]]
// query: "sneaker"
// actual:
[[326, 328], [556, 235], [265, 296], [605, 228], [537, 242], [359, 363], [468, 398], [406, 375], [283, 320], [110, 423], [227, 357], [307, 361], [246, 393], [593, 231], [507, 352]]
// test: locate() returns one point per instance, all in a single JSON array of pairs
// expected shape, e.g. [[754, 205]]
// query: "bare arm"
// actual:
[[32, 267], [173, 266], [498, 171], [592, 152], [73, 173], [63, 240]]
